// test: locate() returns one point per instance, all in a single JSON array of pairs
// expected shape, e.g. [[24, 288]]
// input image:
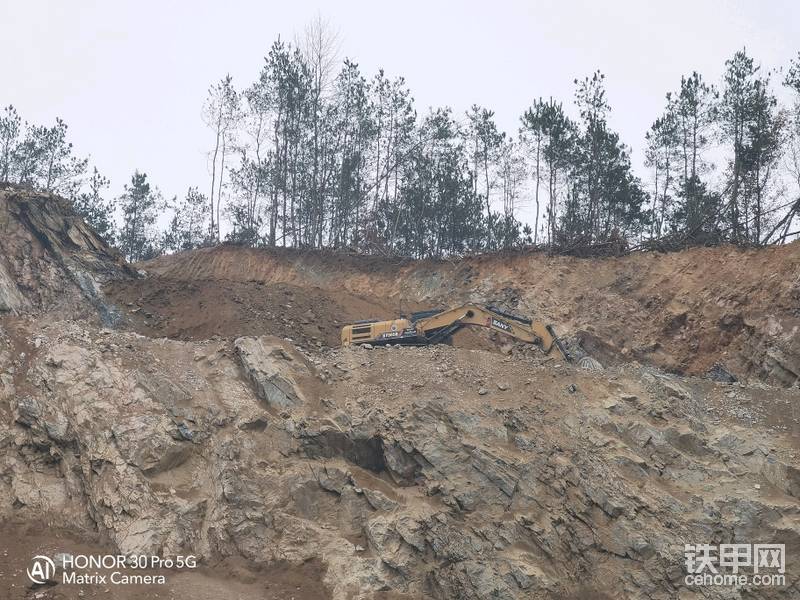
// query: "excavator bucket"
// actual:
[[558, 343]]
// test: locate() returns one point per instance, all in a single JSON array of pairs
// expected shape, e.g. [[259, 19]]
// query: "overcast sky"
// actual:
[[130, 78]]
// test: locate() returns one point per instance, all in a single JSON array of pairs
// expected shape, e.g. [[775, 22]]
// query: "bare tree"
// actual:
[[320, 49], [220, 113], [533, 132]]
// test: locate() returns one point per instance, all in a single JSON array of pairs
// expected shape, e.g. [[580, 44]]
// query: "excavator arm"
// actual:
[[442, 324], [430, 327]]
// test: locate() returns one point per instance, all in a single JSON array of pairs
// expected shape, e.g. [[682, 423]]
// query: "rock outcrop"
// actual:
[[51, 260], [166, 447], [273, 368]]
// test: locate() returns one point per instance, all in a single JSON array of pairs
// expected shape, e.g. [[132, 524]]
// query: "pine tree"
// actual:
[[10, 127], [221, 113], [534, 133], [97, 211], [560, 153], [662, 155], [605, 201], [512, 173], [399, 124], [484, 143], [139, 204], [59, 171], [695, 108], [189, 226], [783, 228], [354, 131], [751, 124]]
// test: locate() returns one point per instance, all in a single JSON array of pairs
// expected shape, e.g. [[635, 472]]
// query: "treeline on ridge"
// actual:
[[315, 154]]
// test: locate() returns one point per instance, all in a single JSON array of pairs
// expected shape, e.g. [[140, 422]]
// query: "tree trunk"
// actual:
[[214, 169], [536, 222], [221, 179]]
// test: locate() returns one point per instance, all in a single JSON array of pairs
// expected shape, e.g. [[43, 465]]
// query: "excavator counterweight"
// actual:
[[433, 326]]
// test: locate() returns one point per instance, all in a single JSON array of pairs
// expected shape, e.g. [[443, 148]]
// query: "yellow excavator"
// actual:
[[433, 326]]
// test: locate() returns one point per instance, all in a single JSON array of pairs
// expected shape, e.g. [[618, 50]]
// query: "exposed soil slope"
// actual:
[[684, 312], [202, 308]]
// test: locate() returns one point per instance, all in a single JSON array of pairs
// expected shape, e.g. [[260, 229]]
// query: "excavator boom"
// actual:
[[430, 327]]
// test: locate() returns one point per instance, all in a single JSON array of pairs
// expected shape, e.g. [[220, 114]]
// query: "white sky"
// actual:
[[129, 78]]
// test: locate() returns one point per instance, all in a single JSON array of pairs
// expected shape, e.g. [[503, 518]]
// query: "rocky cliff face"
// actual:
[[389, 467], [50, 259], [438, 472]]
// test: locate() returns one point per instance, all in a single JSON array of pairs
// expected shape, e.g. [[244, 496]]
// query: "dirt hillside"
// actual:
[[216, 416], [683, 312]]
